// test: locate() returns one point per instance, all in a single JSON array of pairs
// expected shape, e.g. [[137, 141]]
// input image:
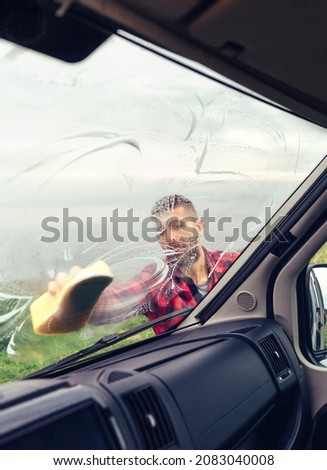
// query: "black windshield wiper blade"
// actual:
[[107, 341]]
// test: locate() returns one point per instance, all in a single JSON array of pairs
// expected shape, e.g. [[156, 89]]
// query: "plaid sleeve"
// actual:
[[218, 263], [119, 301]]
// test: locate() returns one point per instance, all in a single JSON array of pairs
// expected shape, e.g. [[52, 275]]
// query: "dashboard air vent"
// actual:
[[151, 419], [275, 356]]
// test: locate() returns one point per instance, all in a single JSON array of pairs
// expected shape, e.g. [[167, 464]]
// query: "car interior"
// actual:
[[245, 368]]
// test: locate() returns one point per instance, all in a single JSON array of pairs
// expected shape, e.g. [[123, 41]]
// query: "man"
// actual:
[[191, 270]]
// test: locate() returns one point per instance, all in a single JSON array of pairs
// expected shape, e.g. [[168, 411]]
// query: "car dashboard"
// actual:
[[226, 386]]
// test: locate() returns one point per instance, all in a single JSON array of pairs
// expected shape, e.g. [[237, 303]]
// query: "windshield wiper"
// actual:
[[107, 341]]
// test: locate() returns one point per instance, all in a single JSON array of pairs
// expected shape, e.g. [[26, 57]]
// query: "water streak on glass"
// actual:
[[115, 133]]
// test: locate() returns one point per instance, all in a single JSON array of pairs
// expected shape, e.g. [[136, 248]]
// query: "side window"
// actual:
[[316, 290]]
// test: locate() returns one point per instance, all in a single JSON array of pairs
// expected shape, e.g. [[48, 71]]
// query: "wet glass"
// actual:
[[87, 149]]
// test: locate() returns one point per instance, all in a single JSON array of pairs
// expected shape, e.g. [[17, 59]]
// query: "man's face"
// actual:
[[179, 235]]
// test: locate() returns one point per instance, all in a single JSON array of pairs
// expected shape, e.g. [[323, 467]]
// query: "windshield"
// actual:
[[159, 174]]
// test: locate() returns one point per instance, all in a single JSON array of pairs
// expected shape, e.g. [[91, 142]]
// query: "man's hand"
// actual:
[[56, 286], [70, 299]]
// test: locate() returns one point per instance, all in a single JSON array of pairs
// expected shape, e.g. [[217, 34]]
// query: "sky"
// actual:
[[123, 128]]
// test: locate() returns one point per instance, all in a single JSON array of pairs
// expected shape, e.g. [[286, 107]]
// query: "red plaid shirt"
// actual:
[[175, 292]]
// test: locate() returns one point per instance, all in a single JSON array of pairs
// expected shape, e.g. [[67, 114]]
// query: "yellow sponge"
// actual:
[[70, 309]]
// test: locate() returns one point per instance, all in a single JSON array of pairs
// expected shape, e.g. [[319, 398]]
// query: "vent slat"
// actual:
[[152, 422], [164, 432], [139, 410], [274, 354], [156, 434]]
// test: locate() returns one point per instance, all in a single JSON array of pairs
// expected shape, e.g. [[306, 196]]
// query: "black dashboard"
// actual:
[[227, 386]]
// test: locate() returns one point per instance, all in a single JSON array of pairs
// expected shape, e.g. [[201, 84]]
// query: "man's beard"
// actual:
[[181, 256]]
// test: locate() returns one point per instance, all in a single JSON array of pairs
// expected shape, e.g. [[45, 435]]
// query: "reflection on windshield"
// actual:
[[179, 281], [95, 156]]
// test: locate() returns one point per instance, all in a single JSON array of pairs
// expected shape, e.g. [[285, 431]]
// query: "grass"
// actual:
[[36, 352], [320, 256]]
